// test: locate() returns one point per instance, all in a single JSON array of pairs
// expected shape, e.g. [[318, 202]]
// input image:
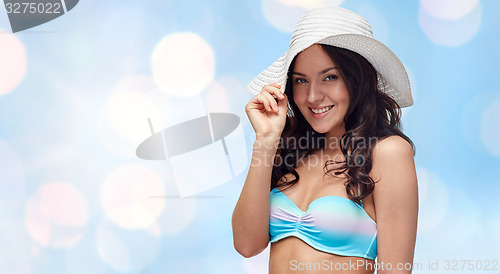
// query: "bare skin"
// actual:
[[393, 204], [299, 255]]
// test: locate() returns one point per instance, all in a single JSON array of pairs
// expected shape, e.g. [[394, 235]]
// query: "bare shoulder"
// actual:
[[392, 146], [395, 199], [392, 158]]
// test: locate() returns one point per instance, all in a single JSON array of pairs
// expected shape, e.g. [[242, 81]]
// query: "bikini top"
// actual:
[[331, 224]]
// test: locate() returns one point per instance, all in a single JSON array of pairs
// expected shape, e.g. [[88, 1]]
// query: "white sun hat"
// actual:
[[342, 28]]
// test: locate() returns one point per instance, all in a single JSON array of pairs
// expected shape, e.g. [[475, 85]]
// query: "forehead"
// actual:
[[313, 58]]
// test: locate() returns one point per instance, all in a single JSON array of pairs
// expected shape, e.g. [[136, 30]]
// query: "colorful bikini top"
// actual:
[[331, 224]]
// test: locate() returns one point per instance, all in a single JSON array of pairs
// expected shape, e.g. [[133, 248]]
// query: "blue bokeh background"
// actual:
[[68, 134]]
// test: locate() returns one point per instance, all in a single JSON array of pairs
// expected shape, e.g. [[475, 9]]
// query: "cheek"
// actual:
[[299, 98], [344, 96]]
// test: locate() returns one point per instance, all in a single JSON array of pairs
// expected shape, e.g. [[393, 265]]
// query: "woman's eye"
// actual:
[[331, 77], [300, 80]]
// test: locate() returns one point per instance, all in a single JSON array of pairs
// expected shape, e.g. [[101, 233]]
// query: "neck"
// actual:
[[333, 140]]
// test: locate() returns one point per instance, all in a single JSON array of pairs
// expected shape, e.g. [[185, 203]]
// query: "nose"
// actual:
[[315, 94]]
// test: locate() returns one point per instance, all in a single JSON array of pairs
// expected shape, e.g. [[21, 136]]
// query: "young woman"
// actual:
[[341, 173]]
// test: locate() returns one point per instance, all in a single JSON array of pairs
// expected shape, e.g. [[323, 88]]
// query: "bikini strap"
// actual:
[[359, 192]]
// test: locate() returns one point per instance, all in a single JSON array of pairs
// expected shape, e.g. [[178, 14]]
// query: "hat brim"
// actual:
[[392, 76]]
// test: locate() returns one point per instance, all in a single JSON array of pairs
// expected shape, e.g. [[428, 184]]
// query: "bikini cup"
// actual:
[[331, 224]]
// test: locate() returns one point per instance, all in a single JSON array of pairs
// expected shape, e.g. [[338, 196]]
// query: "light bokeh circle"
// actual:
[[474, 119], [490, 128], [433, 200], [448, 9], [284, 14], [126, 250], [57, 216], [183, 64], [126, 196], [13, 62], [215, 98], [310, 4], [128, 106], [451, 33]]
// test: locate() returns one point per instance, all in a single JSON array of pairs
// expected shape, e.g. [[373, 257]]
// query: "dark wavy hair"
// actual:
[[372, 115]]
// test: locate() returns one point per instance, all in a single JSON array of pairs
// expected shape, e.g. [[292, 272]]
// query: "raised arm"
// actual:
[[251, 214], [250, 220], [396, 204]]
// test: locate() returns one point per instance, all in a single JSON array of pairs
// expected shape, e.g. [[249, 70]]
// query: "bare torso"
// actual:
[[292, 255]]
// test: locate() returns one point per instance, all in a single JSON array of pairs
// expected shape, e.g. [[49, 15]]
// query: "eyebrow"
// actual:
[[321, 72]]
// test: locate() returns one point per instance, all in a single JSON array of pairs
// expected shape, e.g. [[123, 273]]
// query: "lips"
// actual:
[[319, 112]]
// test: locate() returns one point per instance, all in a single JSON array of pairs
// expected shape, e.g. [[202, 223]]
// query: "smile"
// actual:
[[321, 110], [319, 113]]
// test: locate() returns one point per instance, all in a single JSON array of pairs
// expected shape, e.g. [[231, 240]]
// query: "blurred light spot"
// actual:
[[169, 110], [433, 200], [113, 250], [473, 115], [154, 229], [83, 259], [37, 223], [282, 16], [126, 196], [127, 107], [310, 4], [215, 97], [490, 128], [259, 263], [12, 182], [448, 9], [127, 250], [63, 204], [234, 91], [451, 33], [183, 64], [13, 62], [57, 216], [122, 120]]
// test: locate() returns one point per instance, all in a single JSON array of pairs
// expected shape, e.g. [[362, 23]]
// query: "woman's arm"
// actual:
[[396, 204], [250, 219]]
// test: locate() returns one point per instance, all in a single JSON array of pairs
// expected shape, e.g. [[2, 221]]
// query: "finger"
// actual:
[[263, 101], [276, 85], [275, 89], [274, 92], [272, 101]]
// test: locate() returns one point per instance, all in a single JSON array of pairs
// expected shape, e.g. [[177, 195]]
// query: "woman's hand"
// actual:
[[267, 116]]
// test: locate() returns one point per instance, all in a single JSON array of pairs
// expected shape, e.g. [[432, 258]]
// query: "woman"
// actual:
[[341, 172]]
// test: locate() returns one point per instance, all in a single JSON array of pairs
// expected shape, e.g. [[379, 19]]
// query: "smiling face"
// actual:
[[319, 91]]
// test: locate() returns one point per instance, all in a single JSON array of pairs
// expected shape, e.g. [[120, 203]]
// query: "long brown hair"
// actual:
[[372, 115]]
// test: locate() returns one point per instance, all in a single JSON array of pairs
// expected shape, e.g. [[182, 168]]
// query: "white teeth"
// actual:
[[321, 110]]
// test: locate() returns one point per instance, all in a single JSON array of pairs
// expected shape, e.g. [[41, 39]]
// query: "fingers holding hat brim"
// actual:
[[275, 73]]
